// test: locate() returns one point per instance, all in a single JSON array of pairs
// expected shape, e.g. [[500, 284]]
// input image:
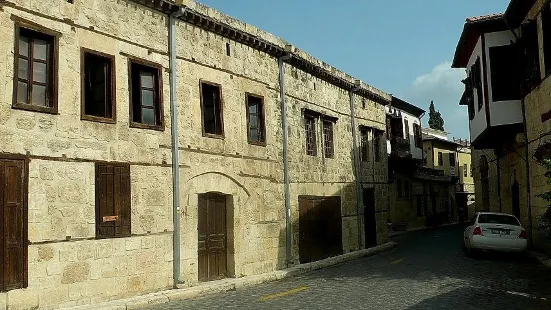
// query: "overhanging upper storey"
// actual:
[[493, 84]]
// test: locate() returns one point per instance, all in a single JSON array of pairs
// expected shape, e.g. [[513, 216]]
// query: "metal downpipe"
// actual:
[[288, 226], [356, 164], [175, 153]]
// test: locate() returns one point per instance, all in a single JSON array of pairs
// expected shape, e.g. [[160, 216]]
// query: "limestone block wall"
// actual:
[[66, 264]]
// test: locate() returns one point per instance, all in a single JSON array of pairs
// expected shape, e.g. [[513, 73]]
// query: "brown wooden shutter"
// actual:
[[13, 240], [112, 201]]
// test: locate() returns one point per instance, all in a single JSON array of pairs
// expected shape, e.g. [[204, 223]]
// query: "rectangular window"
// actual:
[[406, 128], [146, 96], [364, 145], [452, 159], [328, 139], [505, 82], [98, 86], [113, 201], [399, 188], [211, 107], [529, 46], [546, 27], [406, 188], [465, 170], [418, 136], [255, 120], [35, 69], [440, 159], [310, 129], [477, 82], [377, 145]]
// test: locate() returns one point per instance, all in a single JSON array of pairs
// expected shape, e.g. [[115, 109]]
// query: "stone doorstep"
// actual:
[[181, 293]]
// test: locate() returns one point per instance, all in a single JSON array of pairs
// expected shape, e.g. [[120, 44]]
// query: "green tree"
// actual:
[[435, 118]]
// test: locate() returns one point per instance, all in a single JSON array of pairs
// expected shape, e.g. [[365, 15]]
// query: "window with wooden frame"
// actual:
[[452, 159], [113, 201], [505, 81], [546, 28], [329, 150], [477, 81], [146, 97], [440, 159], [256, 128], [212, 109], [35, 78], [417, 135], [377, 145], [98, 86], [364, 145], [406, 129], [465, 170], [310, 130]]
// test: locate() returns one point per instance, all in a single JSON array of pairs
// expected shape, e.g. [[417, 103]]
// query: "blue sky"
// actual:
[[403, 47]]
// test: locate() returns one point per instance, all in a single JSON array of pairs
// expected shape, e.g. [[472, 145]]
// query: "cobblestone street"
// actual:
[[427, 270]]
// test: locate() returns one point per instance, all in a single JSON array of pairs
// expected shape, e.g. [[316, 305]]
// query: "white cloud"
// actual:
[[442, 85]]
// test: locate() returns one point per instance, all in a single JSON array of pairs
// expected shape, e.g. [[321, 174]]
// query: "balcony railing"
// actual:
[[400, 147]]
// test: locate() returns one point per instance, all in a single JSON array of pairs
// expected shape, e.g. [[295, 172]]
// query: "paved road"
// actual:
[[426, 271]]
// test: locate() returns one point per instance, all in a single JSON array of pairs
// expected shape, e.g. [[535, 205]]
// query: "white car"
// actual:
[[490, 231]]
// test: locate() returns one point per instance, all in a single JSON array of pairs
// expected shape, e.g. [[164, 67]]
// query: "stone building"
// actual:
[[507, 94], [464, 189], [405, 153], [88, 151]]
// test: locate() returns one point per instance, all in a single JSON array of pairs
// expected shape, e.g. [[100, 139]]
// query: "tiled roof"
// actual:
[[483, 18]]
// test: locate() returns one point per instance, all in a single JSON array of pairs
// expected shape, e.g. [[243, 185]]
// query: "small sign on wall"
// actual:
[[111, 218]]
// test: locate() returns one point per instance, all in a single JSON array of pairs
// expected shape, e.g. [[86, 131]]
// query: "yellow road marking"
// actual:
[[286, 293], [397, 261]]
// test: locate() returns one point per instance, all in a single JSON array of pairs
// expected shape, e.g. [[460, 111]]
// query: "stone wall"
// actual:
[[67, 265]]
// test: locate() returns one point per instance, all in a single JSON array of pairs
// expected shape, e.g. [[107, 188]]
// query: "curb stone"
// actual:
[[182, 293]]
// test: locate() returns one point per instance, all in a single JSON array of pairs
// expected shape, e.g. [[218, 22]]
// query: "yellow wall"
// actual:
[[432, 148], [465, 159]]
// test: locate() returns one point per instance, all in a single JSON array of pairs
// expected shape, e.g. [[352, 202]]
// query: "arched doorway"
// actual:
[[515, 196]]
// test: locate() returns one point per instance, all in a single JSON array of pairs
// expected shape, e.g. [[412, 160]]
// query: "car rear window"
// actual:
[[497, 219]]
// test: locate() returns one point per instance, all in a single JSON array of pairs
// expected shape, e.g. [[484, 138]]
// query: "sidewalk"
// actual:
[[140, 302], [407, 231]]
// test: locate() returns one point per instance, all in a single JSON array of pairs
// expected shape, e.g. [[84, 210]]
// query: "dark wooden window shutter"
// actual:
[[13, 238], [113, 214]]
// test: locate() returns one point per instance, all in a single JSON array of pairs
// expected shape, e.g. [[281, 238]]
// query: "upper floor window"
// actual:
[[528, 42], [406, 128], [256, 129], [145, 95], [476, 83], [310, 130], [452, 159], [98, 98], [328, 139], [440, 159], [417, 135], [465, 170], [377, 145], [364, 146], [35, 85], [546, 27], [211, 108], [505, 82]]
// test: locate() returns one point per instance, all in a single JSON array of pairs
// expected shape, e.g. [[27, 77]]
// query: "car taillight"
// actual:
[[477, 231], [523, 234]]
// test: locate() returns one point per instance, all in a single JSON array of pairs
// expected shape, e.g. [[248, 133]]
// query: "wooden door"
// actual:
[[370, 220], [320, 228], [212, 237], [13, 225]]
